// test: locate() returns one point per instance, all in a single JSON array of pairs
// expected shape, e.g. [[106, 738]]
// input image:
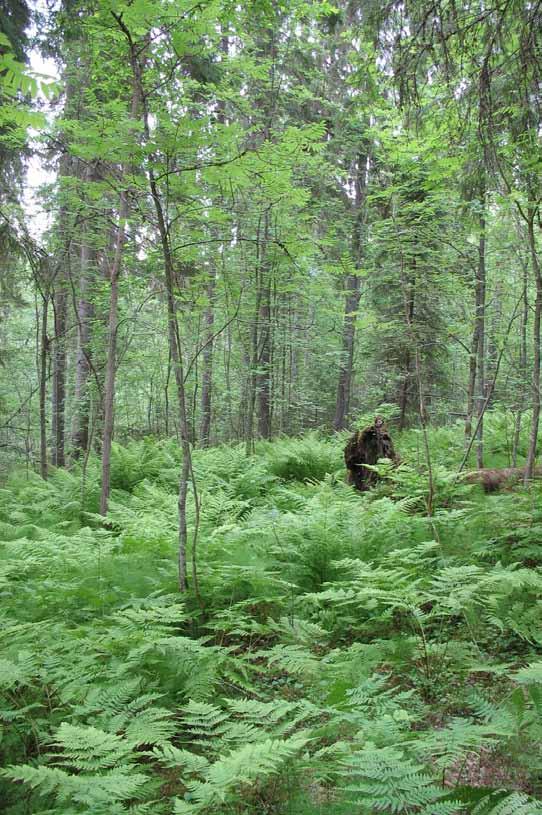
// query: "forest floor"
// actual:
[[347, 653]]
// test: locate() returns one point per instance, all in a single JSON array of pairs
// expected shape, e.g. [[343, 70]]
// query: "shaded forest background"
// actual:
[[266, 220]]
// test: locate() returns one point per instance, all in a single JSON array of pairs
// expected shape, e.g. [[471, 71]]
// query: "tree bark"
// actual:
[[535, 263], [85, 317], [207, 364], [263, 376], [473, 357], [352, 298], [209, 318], [522, 366], [111, 364], [403, 395], [410, 294], [60, 317], [60, 310], [173, 334], [481, 321], [252, 384], [43, 386], [346, 367]]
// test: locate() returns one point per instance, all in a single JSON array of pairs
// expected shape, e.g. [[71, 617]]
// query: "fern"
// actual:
[[102, 766], [384, 780], [202, 719], [347, 641], [224, 778], [99, 790], [502, 803]]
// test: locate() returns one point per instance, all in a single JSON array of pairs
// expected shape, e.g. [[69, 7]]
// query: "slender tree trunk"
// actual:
[[227, 380], [423, 422], [408, 285], [473, 358], [263, 377], [85, 317], [75, 79], [173, 337], [481, 320], [403, 394], [60, 303], [535, 263], [208, 351], [43, 386], [252, 384], [352, 299], [166, 393], [346, 368], [522, 368], [60, 316], [111, 363], [262, 336], [490, 388], [207, 374], [409, 294]]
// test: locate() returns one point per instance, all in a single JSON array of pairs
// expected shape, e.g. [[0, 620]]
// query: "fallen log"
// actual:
[[493, 479]]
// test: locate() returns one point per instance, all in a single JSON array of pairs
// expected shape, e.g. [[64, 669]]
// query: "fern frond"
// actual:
[[239, 767], [383, 779], [87, 748], [191, 763], [97, 789], [203, 720], [504, 803]]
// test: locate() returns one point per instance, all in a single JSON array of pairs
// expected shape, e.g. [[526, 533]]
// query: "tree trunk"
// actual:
[[85, 317], [346, 367], [209, 319], [173, 335], [60, 303], [473, 358], [207, 375], [252, 384], [352, 298], [522, 367], [410, 293], [263, 377], [43, 386], [531, 453], [403, 395], [111, 364], [481, 320], [60, 316]]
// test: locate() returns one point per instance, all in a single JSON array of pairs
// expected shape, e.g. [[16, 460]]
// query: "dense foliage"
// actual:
[[346, 653], [230, 234]]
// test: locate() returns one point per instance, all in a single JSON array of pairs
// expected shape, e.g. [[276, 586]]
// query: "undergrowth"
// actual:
[[352, 654]]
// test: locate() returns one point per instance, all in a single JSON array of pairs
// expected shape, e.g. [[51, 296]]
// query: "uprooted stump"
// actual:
[[367, 446], [497, 478]]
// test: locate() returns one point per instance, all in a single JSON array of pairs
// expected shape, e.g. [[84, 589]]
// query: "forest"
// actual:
[[240, 243]]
